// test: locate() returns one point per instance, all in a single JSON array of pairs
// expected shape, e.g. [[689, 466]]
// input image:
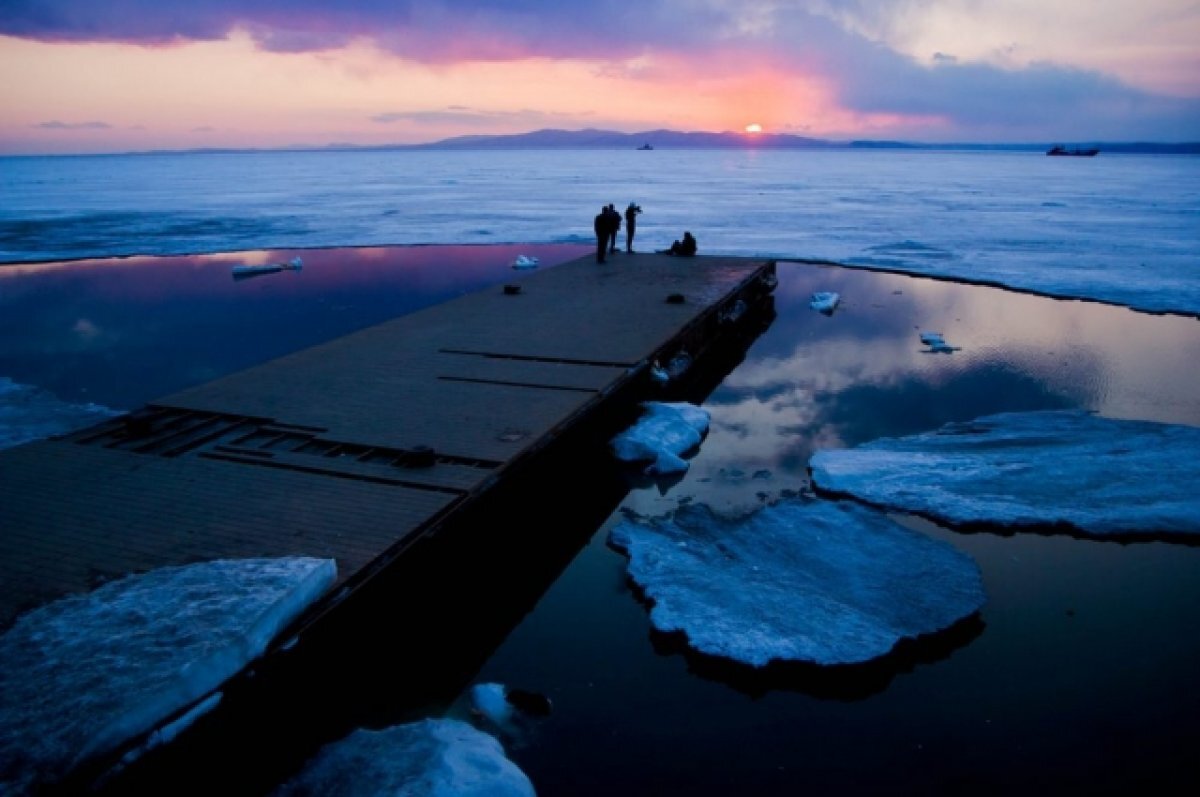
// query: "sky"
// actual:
[[119, 75]]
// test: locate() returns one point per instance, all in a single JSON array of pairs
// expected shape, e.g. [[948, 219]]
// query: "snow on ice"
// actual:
[[1098, 475], [29, 413], [662, 436], [85, 674], [811, 581], [435, 757]]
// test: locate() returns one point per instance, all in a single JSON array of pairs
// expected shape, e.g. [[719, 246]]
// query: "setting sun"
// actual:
[[754, 128]]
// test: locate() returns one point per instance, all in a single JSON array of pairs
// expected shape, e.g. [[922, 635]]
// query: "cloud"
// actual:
[[425, 30], [57, 125], [875, 58], [458, 115]]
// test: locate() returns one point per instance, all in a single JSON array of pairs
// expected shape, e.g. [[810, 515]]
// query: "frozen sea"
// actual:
[[1119, 228], [1077, 676]]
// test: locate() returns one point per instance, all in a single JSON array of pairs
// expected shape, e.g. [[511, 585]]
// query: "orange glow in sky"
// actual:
[[142, 74]]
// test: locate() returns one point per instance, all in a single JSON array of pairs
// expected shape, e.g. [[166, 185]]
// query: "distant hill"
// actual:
[[675, 139], [610, 139]]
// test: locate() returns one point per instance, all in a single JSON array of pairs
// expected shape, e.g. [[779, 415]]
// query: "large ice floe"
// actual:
[[664, 434], [809, 581], [430, 758], [84, 675], [30, 413], [1031, 469]]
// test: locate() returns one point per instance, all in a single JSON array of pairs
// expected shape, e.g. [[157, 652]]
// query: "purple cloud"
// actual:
[[713, 38], [463, 116], [57, 125], [428, 30]]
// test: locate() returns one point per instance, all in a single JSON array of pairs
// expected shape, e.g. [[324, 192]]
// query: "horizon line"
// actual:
[[737, 140]]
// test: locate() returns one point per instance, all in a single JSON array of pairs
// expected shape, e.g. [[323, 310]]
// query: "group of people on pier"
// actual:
[[608, 224]]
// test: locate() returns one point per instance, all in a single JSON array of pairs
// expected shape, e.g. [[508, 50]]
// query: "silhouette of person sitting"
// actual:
[[684, 248]]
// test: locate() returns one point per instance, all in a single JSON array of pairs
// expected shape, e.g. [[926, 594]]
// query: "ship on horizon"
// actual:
[[1082, 153]]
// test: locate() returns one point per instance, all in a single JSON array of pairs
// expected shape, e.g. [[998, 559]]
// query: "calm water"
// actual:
[[1078, 677]]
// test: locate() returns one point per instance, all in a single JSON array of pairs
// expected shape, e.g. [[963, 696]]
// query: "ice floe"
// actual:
[[825, 301], [84, 675], [30, 413], [937, 343], [525, 261], [664, 434], [244, 271], [810, 581], [1098, 475], [430, 758]]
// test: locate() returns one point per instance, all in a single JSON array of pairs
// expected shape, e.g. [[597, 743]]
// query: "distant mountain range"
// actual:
[[674, 139]]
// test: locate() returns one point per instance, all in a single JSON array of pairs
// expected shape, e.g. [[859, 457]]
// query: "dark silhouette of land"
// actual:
[[591, 138]]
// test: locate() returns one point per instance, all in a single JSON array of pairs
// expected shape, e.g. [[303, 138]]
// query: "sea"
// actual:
[[1062, 283]]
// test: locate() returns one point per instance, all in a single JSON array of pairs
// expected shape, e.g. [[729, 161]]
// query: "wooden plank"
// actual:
[[110, 513]]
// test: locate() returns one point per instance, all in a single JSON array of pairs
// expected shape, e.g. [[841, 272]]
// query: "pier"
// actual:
[[358, 448]]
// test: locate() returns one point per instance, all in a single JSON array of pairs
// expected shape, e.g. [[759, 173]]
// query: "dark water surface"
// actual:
[[1077, 676]]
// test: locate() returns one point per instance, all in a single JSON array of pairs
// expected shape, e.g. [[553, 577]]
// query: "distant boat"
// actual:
[[645, 146], [242, 272], [1081, 153]]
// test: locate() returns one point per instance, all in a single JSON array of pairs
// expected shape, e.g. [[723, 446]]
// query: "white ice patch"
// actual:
[[525, 261], [489, 700], [29, 413], [824, 301], [83, 675], [823, 582], [295, 264], [430, 758], [1098, 475], [664, 434], [937, 343]]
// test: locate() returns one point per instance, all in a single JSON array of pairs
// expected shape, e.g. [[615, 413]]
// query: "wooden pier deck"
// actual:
[[354, 448]]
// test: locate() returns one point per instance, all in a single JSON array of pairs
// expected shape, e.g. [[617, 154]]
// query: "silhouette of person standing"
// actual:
[[631, 214], [614, 226], [601, 225]]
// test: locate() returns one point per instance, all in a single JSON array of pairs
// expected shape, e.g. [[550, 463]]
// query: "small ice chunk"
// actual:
[[662, 436], [659, 374], [488, 700], [434, 757], [937, 343], [240, 271], [525, 261], [1024, 469], [505, 707], [83, 675], [824, 301], [810, 581]]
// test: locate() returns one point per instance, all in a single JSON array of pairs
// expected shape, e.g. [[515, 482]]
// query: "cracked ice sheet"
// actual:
[[83, 675], [1098, 475], [434, 757], [29, 413], [810, 581]]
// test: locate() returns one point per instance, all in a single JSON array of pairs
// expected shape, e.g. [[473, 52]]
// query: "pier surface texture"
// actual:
[[355, 448]]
